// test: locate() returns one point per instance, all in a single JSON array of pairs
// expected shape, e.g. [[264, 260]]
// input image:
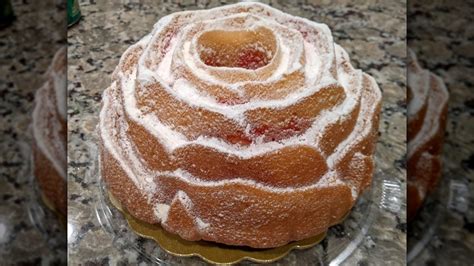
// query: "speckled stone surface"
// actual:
[[441, 34], [372, 32], [27, 48]]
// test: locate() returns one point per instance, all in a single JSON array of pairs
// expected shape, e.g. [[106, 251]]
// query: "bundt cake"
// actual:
[[427, 110], [240, 125], [49, 134]]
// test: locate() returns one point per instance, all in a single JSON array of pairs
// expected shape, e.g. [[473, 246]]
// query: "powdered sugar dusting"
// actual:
[[161, 211], [300, 61], [427, 89], [47, 128], [50, 112]]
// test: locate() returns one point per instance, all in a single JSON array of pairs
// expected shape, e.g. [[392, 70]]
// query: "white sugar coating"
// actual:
[[59, 77], [161, 211], [122, 149], [47, 128], [201, 224], [151, 56], [187, 92], [60, 87], [356, 164], [434, 94], [301, 46], [362, 129], [418, 84], [184, 199], [181, 196], [111, 128], [164, 67], [50, 111], [313, 65], [172, 140], [289, 47]]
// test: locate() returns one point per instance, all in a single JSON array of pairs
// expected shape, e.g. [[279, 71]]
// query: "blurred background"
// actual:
[[31, 32], [441, 35]]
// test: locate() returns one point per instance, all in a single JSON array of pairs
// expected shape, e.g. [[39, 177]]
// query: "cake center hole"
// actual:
[[240, 49]]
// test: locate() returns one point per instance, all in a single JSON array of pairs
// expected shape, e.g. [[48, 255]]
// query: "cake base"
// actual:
[[384, 194], [209, 251]]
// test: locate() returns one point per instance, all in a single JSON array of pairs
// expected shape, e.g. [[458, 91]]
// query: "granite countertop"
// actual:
[[373, 33], [439, 36], [27, 47]]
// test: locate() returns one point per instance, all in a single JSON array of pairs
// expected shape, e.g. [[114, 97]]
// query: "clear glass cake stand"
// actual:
[[339, 244], [451, 195]]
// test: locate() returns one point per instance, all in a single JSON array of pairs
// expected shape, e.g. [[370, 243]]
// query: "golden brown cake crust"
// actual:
[[52, 185], [239, 166], [428, 98], [49, 134], [260, 221]]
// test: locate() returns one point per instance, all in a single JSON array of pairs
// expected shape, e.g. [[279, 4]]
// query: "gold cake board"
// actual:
[[210, 251]]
